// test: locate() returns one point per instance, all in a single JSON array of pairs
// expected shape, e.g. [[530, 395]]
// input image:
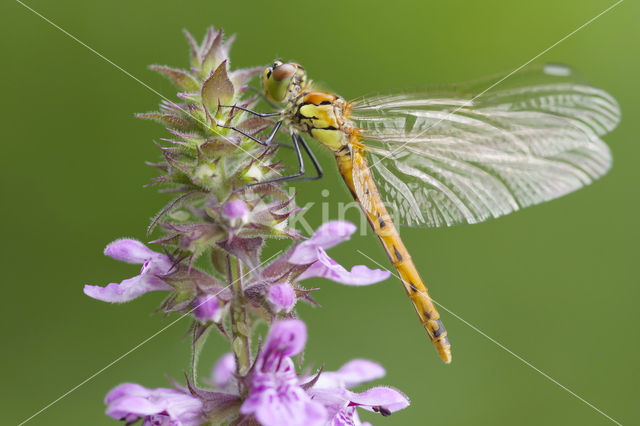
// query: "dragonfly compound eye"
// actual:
[[283, 72], [281, 79]]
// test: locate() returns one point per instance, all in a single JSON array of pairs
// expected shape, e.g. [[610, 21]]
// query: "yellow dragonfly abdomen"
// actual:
[[325, 118], [361, 184]]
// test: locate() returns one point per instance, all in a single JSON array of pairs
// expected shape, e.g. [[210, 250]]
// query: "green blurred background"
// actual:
[[556, 284]]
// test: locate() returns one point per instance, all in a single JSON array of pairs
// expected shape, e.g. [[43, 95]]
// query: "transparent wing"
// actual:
[[443, 157]]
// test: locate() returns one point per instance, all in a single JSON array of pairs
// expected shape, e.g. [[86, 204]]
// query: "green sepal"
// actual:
[[243, 76], [219, 259], [180, 78], [194, 50], [217, 90], [217, 147], [199, 337], [181, 298], [173, 121], [211, 52]]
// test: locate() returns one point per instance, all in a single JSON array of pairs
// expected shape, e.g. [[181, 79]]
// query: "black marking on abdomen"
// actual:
[[413, 287], [437, 332], [397, 254], [381, 222], [427, 315]]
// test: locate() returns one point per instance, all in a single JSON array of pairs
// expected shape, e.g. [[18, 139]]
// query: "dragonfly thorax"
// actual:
[[321, 115]]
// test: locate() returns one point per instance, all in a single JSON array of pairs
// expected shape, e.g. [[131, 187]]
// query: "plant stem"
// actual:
[[239, 338], [246, 327]]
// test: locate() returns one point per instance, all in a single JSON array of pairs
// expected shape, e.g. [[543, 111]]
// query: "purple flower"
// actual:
[[161, 406], [326, 236], [132, 251], [275, 395], [281, 297], [340, 403], [312, 251], [207, 308]]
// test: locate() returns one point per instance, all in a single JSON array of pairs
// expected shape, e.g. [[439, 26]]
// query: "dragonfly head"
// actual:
[[283, 80]]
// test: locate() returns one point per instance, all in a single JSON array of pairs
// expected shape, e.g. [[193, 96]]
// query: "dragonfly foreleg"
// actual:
[[265, 142], [314, 160], [250, 111]]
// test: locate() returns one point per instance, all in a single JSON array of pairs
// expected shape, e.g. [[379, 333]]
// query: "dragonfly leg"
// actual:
[[265, 142], [314, 160], [250, 111], [301, 171]]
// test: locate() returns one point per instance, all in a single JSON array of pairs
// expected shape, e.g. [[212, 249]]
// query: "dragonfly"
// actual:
[[449, 154]]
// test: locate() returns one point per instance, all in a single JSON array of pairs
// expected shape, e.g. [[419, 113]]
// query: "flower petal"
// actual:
[[360, 371], [333, 399], [157, 420], [332, 233], [129, 250], [132, 251], [127, 290], [281, 297], [186, 409], [328, 268], [130, 406], [274, 405], [124, 390], [286, 338], [347, 416], [379, 397], [130, 402], [357, 421], [351, 374], [327, 236]]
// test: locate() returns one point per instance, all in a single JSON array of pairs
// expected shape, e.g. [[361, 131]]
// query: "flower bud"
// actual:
[[236, 212], [281, 297], [235, 209], [207, 308]]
